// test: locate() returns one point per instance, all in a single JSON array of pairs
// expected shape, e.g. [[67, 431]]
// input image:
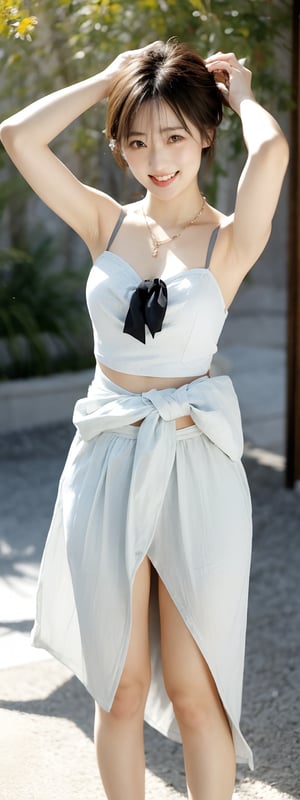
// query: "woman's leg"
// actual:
[[207, 742], [119, 736]]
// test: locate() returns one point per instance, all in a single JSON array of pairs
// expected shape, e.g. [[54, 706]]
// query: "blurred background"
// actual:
[[46, 363], [45, 46]]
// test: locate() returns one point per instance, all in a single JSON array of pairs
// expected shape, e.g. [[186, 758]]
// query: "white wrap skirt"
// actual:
[[178, 496]]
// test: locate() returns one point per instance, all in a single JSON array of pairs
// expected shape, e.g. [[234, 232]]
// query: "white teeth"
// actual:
[[164, 177]]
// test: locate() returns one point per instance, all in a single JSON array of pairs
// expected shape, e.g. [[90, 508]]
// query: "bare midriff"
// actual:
[[143, 383]]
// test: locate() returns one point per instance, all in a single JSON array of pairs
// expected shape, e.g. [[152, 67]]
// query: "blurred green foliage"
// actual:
[[15, 20], [43, 325], [75, 39]]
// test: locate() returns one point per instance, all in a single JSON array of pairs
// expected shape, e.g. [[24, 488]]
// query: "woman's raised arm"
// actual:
[[261, 179], [26, 137]]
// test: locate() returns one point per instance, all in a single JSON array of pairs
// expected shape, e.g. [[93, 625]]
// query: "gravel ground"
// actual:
[[46, 716]]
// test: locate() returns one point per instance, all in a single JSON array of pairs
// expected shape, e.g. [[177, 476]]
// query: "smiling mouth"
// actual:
[[163, 180]]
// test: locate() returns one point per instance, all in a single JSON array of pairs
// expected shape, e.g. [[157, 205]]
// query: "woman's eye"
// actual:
[[175, 137], [135, 144]]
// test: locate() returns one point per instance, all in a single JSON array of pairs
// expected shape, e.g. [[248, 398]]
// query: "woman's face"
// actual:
[[162, 155]]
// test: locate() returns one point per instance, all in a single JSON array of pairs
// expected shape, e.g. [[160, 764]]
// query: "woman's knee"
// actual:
[[194, 710], [130, 698]]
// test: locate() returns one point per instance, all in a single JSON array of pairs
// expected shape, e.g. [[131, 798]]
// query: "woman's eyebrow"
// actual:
[[136, 133], [162, 130], [173, 128]]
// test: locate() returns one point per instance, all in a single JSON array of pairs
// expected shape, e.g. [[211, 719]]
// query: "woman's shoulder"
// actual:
[[133, 208], [218, 219]]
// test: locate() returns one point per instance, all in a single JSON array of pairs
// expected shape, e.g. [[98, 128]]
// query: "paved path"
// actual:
[[46, 716]]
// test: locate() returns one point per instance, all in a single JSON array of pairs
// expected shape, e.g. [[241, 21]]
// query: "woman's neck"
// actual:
[[174, 212]]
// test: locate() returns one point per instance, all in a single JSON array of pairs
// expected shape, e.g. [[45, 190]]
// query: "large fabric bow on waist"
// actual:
[[213, 406], [148, 306]]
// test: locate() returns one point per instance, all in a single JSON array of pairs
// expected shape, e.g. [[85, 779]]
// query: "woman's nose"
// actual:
[[157, 161]]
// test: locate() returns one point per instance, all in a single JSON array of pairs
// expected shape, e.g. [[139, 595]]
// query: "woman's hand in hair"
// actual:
[[117, 65], [232, 78]]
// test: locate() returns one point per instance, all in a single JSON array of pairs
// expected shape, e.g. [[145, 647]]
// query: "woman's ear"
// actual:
[[208, 138], [122, 154], [118, 154]]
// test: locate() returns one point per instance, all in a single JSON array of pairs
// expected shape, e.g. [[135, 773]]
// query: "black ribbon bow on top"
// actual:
[[148, 306]]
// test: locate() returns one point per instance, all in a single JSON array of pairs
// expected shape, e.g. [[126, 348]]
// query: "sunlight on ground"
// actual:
[[265, 457], [156, 787], [257, 790]]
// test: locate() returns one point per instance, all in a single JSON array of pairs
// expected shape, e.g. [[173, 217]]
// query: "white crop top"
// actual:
[[186, 340]]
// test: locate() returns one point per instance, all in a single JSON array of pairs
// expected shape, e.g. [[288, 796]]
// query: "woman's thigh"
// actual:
[[134, 683], [187, 677], [138, 655]]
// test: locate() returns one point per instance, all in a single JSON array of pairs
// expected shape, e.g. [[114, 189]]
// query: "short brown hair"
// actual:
[[169, 72]]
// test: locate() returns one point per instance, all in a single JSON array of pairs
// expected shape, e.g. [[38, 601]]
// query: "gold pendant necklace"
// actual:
[[156, 243]]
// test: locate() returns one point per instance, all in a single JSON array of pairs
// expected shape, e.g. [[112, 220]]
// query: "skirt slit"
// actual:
[[197, 538]]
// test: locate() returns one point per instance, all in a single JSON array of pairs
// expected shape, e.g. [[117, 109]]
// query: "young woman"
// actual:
[[153, 494]]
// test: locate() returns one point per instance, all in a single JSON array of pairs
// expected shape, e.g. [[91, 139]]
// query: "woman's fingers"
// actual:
[[226, 62], [221, 55], [231, 75], [220, 65]]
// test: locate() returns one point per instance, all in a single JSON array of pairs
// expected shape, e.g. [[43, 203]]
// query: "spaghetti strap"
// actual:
[[211, 245], [118, 224]]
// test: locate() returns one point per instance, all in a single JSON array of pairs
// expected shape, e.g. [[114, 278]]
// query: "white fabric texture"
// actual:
[[179, 496], [191, 329]]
